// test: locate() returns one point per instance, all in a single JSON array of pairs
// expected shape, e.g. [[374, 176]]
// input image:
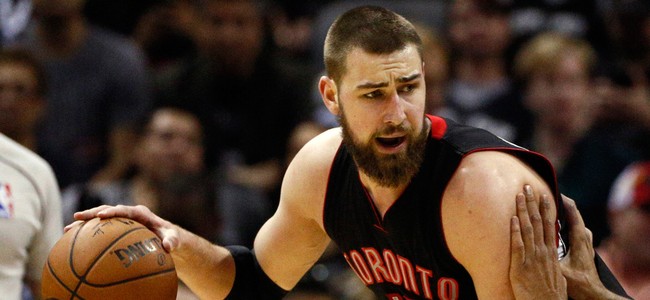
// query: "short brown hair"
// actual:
[[541, 54], [374, 29]]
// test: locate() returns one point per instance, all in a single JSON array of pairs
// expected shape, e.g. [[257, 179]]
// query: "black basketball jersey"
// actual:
[[404, 255]]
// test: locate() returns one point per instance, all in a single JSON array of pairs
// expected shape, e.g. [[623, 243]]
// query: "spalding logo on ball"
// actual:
[[114, 258]]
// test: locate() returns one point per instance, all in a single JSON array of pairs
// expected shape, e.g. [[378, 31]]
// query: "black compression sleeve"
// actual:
[[250, 280]]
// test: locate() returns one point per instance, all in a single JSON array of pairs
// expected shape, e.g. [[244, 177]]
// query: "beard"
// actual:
[[388, 170]]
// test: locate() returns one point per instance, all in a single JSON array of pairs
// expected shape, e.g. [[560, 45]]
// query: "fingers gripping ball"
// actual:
[[115, 258]]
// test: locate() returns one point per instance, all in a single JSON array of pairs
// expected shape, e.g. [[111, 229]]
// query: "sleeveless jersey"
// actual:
[[405, 255]]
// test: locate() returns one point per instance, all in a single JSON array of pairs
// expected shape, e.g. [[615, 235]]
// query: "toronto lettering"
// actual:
[[374, 267]]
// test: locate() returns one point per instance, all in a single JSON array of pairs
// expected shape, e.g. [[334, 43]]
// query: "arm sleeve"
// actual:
[[250, 280]]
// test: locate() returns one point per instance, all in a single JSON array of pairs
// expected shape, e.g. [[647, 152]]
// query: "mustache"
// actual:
[[391, 129]]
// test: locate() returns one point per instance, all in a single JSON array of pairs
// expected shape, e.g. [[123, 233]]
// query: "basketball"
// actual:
[[114, 258]]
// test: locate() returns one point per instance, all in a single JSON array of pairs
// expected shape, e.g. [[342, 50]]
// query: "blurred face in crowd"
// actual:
[[20, 102], [231, 32], [381, 107], [629, 213], [631, 227], [436, 71], [559, 95], [172, 145], [478, 33]]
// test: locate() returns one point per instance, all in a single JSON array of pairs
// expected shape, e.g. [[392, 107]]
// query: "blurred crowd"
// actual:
[[194, 108]]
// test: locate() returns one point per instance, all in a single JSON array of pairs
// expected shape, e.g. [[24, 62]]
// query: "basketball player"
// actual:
[[414, 202]]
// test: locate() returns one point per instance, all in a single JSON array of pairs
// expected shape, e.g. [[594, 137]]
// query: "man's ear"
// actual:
[[329, 93]]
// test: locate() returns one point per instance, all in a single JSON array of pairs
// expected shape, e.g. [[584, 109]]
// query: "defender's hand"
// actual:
[[534, 267]]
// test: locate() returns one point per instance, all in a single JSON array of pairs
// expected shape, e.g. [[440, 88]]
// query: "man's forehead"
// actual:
[[408, 50], [403, 65]]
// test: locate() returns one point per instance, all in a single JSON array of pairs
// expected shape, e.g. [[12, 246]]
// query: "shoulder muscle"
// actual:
[[477, 206]]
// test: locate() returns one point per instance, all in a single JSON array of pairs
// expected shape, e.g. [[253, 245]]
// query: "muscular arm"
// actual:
[[286, 246], [476, 212], [299, 216]]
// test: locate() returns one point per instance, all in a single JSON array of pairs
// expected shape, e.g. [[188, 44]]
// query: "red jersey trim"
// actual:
[[438, 127]]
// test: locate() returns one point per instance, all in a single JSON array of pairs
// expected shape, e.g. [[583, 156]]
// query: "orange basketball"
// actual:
[[114, 258]]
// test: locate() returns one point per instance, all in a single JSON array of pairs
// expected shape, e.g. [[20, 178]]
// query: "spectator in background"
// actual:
[[292, 24], [30, 218], [584, 19], [98, 86], [435, 55], [629, 29], [249, 106], [22, 96], [626, 250], [161, 28], [623, 106], [169, 175], [481, 93], [164, 32], [291, 30], [624, 84], [555, 74]]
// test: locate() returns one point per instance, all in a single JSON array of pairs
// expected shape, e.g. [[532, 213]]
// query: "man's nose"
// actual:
[[394, 111]]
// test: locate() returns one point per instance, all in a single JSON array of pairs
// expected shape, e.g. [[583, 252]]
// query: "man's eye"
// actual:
[[408, 88], [372, 95]]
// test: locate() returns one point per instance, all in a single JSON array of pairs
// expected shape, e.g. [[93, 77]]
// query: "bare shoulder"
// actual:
[[488, 181], [320, 150], [476, 209], [483, 189], [493, 171], [314, 160], [306, 177]]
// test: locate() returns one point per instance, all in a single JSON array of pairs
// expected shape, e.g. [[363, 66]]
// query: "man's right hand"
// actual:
[[168, 232]]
